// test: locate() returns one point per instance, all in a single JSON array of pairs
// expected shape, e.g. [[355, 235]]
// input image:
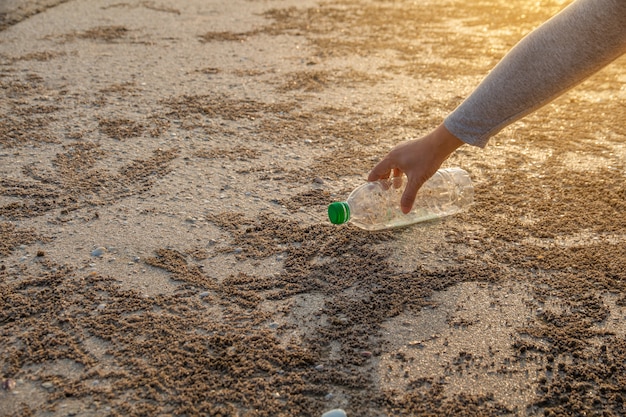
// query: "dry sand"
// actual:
[[164, 173]]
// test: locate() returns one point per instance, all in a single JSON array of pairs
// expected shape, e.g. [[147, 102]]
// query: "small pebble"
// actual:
[[238, 250], [8, 384], [366, 354], [319, 367], [203, 294], [274, 325], [47, 385], [98, 252], [338, 412], [102, 306], [329, 396]]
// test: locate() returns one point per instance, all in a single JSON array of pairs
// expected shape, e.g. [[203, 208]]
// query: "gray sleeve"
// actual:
[[577, 42]]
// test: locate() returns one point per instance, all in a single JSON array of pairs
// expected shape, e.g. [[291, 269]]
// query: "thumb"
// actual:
[[408, 196]]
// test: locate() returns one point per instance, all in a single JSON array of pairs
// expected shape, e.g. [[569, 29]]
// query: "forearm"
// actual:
[[579, 41]]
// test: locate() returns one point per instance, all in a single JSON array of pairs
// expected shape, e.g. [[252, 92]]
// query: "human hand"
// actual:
[[419, 159]]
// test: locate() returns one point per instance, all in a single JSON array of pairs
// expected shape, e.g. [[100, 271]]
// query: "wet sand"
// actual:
[[164, 250]]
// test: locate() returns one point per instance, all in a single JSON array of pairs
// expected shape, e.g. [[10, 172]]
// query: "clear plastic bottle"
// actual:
[[376, 205]]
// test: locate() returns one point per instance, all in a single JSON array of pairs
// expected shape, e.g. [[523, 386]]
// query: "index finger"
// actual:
[[381, 171]]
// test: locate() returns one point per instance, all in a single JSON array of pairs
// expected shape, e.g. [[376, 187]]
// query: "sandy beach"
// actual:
[[165, 169]]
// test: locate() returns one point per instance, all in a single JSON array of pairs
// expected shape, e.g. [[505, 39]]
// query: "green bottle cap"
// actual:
[[339, 212]]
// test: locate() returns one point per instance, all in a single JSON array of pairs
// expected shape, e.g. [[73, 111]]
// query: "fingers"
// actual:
[[409, 194], [380, 171], [385, 170], [388, 167], [397, 178], [419, 159]]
